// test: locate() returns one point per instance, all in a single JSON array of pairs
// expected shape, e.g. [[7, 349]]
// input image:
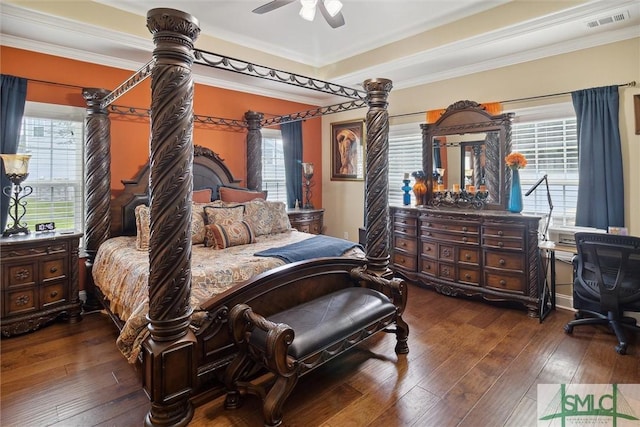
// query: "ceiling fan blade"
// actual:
[[272, 5], [335, 21]]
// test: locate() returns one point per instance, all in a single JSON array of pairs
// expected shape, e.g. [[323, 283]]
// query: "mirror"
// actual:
[[464, 151]]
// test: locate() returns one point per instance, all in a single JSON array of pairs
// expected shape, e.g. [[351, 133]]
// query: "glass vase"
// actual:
[[515, 196], [419, 190]]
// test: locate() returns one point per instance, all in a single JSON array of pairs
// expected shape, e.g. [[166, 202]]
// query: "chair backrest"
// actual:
[[613, 263]]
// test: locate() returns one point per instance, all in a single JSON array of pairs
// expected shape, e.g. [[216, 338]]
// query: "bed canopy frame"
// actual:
[[171, 341]]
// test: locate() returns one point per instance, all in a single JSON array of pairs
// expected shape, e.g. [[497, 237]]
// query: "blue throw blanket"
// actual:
[[314, 247]]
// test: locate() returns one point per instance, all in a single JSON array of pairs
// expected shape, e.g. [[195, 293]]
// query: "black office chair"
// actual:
[[607, 283]]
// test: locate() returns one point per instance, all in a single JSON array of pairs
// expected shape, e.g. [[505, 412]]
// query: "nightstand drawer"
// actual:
[[52, 294], [20, 301], [21, 274], [407, 262], [53, 269], [405, 244]]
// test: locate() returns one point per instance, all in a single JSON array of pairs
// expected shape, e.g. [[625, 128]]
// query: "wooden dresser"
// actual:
[[493, 254], [307, 220], [39, 280]]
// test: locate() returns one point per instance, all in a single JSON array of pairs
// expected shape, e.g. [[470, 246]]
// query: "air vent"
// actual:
[[616, 17]]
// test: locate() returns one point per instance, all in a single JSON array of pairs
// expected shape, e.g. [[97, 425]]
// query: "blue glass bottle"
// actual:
[[515, 196]]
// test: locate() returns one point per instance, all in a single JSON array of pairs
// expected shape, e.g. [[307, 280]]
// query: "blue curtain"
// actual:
[[601, 187], [14, 95], [292, 147]]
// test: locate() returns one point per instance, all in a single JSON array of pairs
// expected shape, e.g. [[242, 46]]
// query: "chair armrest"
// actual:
[[394, 288], [279, 336]]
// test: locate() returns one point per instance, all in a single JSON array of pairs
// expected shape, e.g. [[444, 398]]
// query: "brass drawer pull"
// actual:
[[467, 276], [500, 244], [428, 267], [428, 249], [403, 244], [53, 294], [467, 257], [502, 262], [500, 233], [465, 229], [53, 269], [503, 282], [464, 239]]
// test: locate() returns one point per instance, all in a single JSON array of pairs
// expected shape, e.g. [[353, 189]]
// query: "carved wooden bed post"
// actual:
[[254, 150], [97, 182], [169, 353], [377, 182]]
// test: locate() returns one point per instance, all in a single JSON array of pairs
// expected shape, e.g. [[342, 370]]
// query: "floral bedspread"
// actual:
[[121, 272]]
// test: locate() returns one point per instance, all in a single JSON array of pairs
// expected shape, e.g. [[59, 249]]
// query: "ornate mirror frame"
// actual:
[[469, 117]]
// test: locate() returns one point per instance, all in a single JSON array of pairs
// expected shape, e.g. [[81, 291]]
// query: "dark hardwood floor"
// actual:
[[470, 364]]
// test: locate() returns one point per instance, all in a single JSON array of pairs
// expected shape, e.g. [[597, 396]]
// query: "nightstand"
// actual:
[[307, 220], [39, 280]]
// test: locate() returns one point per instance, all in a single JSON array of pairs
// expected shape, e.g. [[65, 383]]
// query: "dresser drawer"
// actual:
[[504, 260], [469, 276], [405, 244], [503, 243], [428, 266], [468, 256], [446, 252], [406, 262], [404, 229], [451, 237], [506, 282], [457, 226], [430, 249], [499, 230], [20, 274], [446, 271]]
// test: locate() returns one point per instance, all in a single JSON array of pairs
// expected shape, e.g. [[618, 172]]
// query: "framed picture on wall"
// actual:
[[347, 151]]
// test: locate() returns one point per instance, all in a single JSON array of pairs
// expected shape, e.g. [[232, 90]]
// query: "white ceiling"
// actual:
[[370, 24]]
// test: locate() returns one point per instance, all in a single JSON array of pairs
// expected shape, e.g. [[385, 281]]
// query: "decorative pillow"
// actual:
[[143, 227], [267, 217], [221, 236], [198, 222], [201, 196], [240, 195], [222, 214]]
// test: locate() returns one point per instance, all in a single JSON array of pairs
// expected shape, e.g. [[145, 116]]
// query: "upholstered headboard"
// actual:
[[209, 171]]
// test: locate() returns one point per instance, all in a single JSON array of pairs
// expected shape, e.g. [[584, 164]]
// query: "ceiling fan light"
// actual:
[[333, 6], [308, 10]]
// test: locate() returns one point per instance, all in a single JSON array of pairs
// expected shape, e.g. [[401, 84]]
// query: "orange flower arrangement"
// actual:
[[516, 160]]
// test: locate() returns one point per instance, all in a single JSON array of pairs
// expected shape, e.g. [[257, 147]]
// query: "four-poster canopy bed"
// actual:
[[183, 365]]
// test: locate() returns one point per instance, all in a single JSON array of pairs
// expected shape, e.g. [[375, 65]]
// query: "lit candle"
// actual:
[[440, 187], [483, 188], [472, 189], [456, 188]]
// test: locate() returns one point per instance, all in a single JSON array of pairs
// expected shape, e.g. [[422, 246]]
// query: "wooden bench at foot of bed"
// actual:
[[295, 341]]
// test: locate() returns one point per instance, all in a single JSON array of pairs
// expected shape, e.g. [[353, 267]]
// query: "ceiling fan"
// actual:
[[330, 9]]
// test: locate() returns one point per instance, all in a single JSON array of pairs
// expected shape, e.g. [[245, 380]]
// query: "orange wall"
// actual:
[[130, 135]]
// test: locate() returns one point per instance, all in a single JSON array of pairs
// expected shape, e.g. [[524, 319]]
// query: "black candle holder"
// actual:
[[17, 205], [459, 199]]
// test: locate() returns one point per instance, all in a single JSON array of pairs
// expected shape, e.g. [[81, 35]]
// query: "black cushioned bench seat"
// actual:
[[312, 329]]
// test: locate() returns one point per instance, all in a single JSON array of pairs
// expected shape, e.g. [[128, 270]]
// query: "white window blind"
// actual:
[[54, 136], [551, 147], [405, 156], [273, 174]]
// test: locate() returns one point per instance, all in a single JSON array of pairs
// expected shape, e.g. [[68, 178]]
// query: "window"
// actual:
[[550, 144], [54, 136], [273, 175], [405, 156]]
